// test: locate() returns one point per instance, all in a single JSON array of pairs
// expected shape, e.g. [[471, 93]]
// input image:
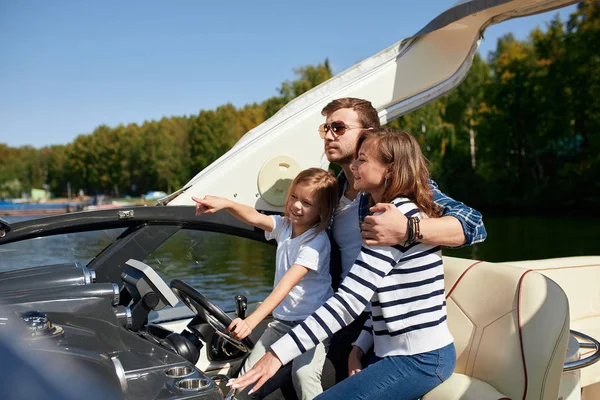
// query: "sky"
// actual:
[[68, 66]]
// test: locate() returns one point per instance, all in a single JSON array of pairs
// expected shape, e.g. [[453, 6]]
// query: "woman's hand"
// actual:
[[239, 329], [355, 360], [210, 204], [261, 372]]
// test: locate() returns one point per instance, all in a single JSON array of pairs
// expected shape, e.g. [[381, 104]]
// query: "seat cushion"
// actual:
[[463, 387]]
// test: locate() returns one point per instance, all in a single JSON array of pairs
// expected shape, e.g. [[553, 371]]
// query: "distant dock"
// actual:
[[20, 209]]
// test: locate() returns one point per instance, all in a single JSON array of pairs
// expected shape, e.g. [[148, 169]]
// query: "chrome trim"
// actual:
[[123, 312], [179, 372], [587, 361], [192, 384], [87, 276], [116, 295], [125, 214], [93, 275], [120, 371], [223, 378], [165, 200], [129, 318]]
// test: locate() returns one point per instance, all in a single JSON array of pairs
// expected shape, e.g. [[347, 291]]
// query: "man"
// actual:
[[459, 225]]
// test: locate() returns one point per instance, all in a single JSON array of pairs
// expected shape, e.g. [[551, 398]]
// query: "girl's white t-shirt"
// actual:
[[310, 252]]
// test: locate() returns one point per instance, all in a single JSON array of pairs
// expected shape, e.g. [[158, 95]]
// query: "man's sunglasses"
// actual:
[[338, 128]]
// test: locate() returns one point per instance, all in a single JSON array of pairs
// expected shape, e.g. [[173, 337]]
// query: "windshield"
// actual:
[[218, 265], [79, 247]]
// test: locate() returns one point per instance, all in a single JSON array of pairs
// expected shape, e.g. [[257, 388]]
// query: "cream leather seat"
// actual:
[[510, 329], [578, 277]]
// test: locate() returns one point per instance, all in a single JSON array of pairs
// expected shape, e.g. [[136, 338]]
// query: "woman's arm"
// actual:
[[357, 288], [351, 299], [240, 328], [363, 343], [249, 215]]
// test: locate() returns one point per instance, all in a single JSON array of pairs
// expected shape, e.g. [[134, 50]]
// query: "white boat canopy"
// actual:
[[409, 74]]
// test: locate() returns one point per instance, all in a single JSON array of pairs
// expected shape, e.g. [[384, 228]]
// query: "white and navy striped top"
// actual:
[[405, 286]]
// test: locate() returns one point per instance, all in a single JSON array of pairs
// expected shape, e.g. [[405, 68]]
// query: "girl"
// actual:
[[302, 279], [404, 285]]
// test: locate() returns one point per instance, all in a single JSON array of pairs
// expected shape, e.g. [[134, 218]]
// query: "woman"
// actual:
[[404, 286]]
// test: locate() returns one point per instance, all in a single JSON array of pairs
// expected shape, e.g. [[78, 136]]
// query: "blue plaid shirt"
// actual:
[[470, 219]]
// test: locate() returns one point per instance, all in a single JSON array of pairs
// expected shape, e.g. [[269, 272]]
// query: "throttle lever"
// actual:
[[241, 305]]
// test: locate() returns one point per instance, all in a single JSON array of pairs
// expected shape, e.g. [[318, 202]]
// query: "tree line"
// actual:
[[520, 133]]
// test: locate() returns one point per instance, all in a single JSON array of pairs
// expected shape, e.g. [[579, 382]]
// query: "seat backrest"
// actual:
[[577, 276], [510, 327]]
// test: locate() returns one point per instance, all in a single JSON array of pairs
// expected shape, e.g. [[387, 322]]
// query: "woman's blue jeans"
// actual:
[[397, 377]]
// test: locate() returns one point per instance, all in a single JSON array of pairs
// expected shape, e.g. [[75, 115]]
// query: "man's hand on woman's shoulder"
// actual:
[[385, 229]]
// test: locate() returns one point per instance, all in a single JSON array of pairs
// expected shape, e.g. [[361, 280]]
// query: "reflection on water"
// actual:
[[222, 266], [219, 266], [69, 248]]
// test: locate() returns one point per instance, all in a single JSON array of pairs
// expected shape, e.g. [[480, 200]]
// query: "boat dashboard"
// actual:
[[62, 315]]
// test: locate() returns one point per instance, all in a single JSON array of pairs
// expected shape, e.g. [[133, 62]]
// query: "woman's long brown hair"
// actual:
[[410, 177]]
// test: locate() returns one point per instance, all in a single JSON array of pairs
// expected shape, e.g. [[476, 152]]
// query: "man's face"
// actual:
[[340, 148]]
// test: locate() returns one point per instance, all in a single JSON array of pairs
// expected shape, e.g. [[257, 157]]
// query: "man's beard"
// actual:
[[347, 160]]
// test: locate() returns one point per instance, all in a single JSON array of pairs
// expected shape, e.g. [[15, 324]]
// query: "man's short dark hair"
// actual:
[[367, 114]]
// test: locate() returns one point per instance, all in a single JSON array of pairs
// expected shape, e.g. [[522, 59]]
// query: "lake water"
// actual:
[[221, 266]]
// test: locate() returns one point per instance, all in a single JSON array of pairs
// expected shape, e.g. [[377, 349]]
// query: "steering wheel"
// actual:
[[210, 312]]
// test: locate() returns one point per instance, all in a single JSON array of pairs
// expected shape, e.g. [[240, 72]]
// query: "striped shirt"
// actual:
[[405, 287]]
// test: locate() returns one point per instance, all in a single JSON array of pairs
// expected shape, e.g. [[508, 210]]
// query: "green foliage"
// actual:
[[537, 135]]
